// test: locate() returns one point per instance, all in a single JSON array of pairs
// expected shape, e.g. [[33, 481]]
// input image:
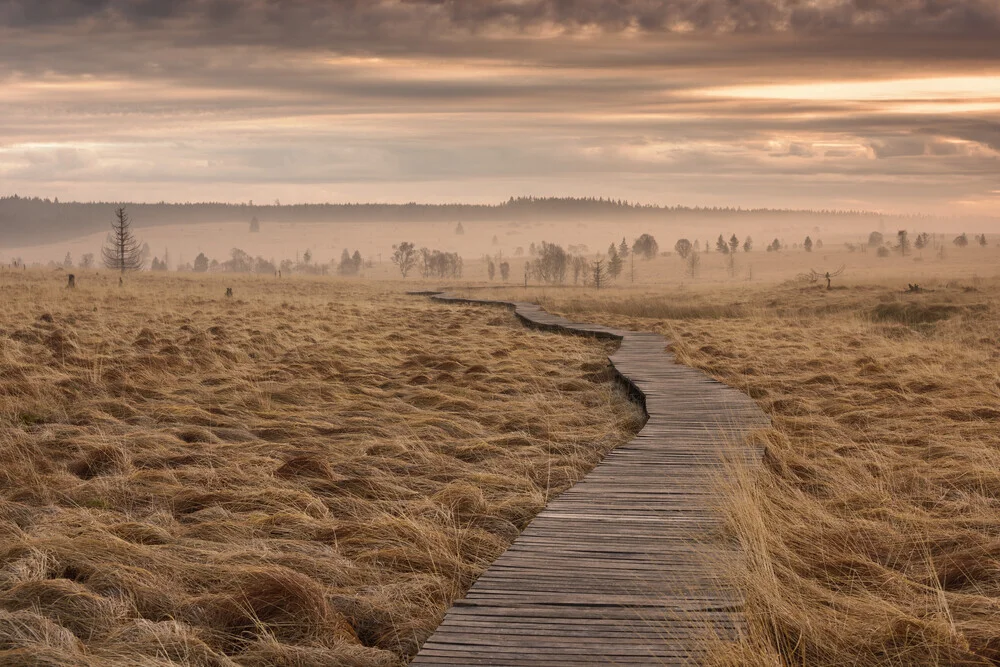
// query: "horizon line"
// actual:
[[623, 203]]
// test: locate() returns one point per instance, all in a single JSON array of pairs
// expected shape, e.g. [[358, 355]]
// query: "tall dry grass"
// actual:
[[306, 474], [871, 533]]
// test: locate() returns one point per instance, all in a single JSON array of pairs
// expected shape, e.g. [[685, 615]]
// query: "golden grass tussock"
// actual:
[[870, 534], [306, 474]]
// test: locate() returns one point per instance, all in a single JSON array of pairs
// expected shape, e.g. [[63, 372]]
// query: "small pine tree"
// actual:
[[747, 244], [615, 263], [122, 251], [808, 244], [721, 245], [734, 244], [599, 273], [349, 264]]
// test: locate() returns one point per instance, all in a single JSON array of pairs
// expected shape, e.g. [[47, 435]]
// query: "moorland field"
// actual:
[[305, 474], [871, 534], [309, 472]]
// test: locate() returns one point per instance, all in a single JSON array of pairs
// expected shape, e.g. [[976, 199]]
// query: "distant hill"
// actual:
[[29, 221]]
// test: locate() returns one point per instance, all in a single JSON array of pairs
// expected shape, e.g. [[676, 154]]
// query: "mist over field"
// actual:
[[40, 231]]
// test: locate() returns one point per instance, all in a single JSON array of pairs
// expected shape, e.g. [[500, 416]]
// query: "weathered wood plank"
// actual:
[[623, 568]]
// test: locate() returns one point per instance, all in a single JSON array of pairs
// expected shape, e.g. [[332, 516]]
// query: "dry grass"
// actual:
[[871, 535], [304, 475]]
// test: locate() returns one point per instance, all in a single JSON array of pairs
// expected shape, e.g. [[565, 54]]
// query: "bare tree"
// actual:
[[693, 265], [904, 242], [122, 251], [405, 257], [815, 276], [551, 263]]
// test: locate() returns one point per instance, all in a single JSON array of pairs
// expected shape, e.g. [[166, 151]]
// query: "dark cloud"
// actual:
[[373, 17], [986, 132], [586, 96], [902, 147]]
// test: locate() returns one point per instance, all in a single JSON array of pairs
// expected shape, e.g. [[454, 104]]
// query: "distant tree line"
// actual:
[[30, 220], [884, 247]]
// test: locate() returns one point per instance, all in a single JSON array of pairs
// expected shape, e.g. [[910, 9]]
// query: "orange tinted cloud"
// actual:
[[765, 102]]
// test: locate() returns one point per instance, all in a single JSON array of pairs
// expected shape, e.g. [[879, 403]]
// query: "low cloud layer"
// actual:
[[891, 104], [242, 18]]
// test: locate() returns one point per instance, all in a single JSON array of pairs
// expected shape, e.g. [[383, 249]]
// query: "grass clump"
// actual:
[[305, 474], [869, 535]]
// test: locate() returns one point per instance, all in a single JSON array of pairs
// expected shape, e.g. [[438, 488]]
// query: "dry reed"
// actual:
[[871, 534], [306, 474]]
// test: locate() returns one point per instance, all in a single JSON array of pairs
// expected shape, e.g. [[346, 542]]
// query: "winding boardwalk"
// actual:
[[621, 568]]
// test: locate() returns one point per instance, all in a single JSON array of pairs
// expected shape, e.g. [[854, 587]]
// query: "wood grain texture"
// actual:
[[622, 568]]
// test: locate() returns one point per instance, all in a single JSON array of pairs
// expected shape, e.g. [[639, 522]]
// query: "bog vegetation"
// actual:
[[361, 456], [307, 473], [870, 534]]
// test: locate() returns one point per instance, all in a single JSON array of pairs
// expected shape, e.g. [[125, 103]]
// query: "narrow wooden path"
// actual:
[[621, 569]]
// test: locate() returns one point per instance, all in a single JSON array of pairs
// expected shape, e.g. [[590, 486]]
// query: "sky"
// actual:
[[891, 105]]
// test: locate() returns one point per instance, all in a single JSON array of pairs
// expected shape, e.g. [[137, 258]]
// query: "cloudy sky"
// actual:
[[886, 104]]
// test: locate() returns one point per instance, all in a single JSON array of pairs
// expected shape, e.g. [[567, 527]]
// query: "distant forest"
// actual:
[[29, 221]]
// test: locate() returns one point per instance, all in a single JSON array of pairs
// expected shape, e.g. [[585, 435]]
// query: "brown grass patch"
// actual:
[[870, 534], [307, 474]]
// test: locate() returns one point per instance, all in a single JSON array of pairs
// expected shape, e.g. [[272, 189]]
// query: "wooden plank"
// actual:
[[623, 568]]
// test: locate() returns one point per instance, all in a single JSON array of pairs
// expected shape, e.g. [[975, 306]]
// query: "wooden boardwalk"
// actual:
[[622, 568]]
